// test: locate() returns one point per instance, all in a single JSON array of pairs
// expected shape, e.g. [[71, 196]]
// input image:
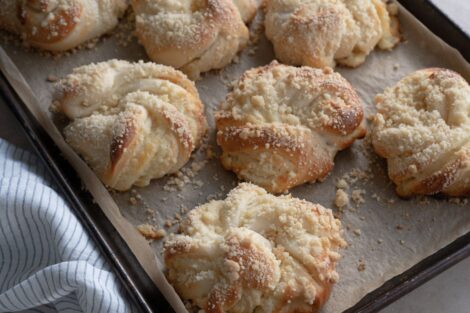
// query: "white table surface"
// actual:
[[449, 292]]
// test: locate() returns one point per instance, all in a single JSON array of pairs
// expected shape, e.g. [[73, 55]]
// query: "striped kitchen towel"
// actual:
[[47, 261]]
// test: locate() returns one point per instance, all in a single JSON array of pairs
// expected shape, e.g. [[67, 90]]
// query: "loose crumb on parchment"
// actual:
[[361, 266], [341, 199], [150, 232]]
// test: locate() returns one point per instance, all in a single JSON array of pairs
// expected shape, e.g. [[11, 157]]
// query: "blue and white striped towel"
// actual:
[[47, 261]]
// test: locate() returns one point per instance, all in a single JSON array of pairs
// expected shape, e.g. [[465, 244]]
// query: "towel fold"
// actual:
[[47, 261]]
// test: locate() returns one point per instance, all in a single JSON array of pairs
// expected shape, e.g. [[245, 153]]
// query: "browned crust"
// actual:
[[216, 14], [68, 89], [122, 148], [205, 43], [176, 123], [443, 181], [437, 182], [220, 297], [311, 150], [122, 142], [345, 120], [325, 21], [290, 295], [285, 281], [312, 162], [257, 270], [123, 145], [63, 23]]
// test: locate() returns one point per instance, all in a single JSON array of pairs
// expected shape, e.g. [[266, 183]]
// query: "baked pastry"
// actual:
[[255, 252], [131, 122], [422, 128], [281, 126], [322, 33], [193, 35], [59, 25]]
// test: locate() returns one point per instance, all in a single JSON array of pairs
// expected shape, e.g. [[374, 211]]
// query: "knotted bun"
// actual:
[[255, 252], [131, 121], [322, 33], [281, 126], [59, 25], [193, 35], [422, 128]]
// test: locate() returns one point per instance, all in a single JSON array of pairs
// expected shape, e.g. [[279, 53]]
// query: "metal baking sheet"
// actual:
[[409, 230]]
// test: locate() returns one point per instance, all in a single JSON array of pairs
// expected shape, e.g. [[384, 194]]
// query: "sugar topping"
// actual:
[[59, 25], [194, 35], [258, 248], [299, 117], [423, 128], [320, 33], [312, 98], [142, 119]]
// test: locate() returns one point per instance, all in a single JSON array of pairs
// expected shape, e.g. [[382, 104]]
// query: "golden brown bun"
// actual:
[[131, 122], [322, 33], [281, 126], [255, 252], [59, 25], [193, 35], [422, 128]]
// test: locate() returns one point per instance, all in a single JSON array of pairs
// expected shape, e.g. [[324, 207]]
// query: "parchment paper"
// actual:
[[386, 235]]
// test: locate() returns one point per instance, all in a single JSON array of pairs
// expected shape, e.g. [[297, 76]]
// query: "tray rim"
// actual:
[[439, 24], [112, 246], [122, 260]]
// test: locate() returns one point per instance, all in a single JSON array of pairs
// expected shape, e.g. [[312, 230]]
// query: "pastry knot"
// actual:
[[59, 25], [255, 252], [281, 126], [131, 122], [422, 128], [322, 33], [193, 35]]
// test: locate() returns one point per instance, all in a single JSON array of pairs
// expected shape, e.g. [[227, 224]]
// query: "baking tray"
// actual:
[[139, 285]]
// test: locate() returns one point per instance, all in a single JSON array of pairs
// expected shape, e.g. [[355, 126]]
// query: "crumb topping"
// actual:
[[59, 25], [326, 32], [194, 35], [253, 249], [299, 117], [423, 128], [142, 119]]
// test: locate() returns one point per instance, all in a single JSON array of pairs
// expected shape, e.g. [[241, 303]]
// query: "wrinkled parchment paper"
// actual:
[[386, 235]]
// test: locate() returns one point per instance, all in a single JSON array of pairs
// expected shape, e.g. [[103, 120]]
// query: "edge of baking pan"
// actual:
[[414, 277], [123, 261], [113, 247], [440, 24]]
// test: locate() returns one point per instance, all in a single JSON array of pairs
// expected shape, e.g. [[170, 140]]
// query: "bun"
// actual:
[[131, 122], [59, 25], [322, 33], [422, 128], [281, 126], [254, 252], [193, 35]]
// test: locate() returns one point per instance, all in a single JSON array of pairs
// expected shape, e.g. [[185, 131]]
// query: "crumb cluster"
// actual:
[[150, 232]]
